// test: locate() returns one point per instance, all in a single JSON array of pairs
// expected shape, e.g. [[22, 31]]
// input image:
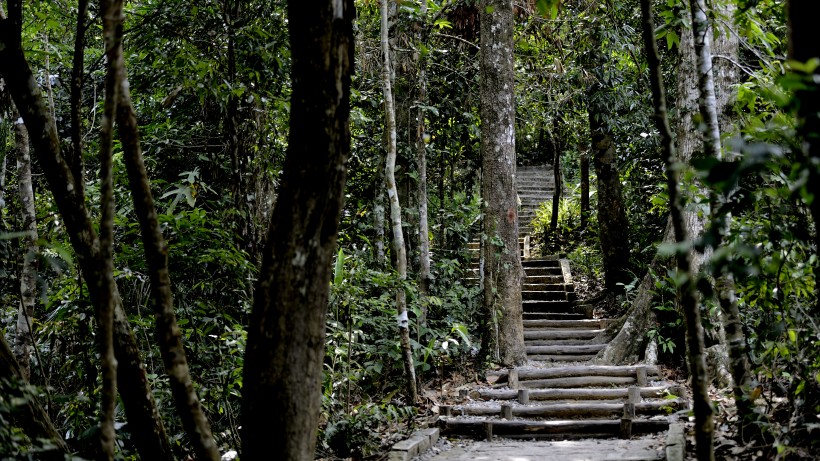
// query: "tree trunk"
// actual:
[[168, 334], [734, 340], [75, 155], [503, 273], [556, 172], [584, 190], [147, 429], [613, 227], [23, 338], [803, 46], [704, 427], [283, 361], [112, 17], [421, 161], [395, 210]]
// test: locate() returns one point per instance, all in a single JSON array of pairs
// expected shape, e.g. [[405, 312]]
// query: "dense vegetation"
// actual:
[[211, 84]]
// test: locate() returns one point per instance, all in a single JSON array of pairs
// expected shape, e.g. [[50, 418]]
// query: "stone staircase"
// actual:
[[536, 185], [559, 394]]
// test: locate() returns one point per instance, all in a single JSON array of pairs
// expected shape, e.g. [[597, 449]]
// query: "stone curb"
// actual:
[[418, 442], [675, 443]]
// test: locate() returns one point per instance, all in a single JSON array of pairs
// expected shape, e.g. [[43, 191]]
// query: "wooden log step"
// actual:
[[561, 358], [651, 392], [589, 427], [568, 350], [546, 261], [592, 370], [569, 410], [563, 333], [578, 381]]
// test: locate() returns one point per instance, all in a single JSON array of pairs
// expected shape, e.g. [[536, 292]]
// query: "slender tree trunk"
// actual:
[[112, 38], [556, 172], [147, 429], [168, 333], [707, 103], [584, 190], [281, 401], [704, 426], [503, 273], [75, 155], [378, 219], [395, 210], [23, 338], [421, 161]]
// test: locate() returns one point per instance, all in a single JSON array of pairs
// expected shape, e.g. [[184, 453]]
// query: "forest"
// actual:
[[290, 230]]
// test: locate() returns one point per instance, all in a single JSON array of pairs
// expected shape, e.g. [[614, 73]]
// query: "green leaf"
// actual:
[[489, 10]]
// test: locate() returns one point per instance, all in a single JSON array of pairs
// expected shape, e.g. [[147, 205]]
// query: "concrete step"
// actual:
[[554, 306], [544, 295], [560, 333], [568, 323], [566, 350], [552, 316], [555, 342], [530, 271]]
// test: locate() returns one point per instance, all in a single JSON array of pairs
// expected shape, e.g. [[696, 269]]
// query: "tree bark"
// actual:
[[147, 429], [75, 156], [503, 272], [734, 339], [584, 190], [395, 210], [704, 426], [112, 17], [556, 173], [285, 349], [421, 164], [613, 227], [169, 336], [23, 338]]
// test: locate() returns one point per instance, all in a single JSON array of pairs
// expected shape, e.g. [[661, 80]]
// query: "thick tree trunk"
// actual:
[[395, 210], [23, 338], [169, 336], [613, 227], [503, 273], [283, 362], [147, 429], [704, 426], [804, 46]]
